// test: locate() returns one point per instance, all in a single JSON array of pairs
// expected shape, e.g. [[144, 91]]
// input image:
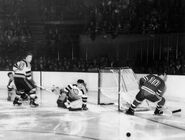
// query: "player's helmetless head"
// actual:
[[29, 58], [80, 83], [163, 76]]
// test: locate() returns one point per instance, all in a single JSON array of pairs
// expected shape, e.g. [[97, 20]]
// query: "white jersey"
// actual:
[[74, 93], [73, 88], [22, 69]]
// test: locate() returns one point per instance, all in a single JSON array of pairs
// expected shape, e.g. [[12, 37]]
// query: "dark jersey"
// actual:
[[153, 84]]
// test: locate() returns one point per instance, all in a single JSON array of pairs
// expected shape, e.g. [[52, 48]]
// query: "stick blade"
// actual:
[[106, 104], [142, 109], [176, 111]]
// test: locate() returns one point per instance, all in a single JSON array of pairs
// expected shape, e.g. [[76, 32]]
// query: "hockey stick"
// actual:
[[46, 89], [176, 111], [106, 104], [43, 88], [168, 112]]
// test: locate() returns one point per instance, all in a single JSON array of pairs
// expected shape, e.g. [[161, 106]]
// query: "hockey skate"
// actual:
[[158, 111], [130, 111], [32, 103], [24, 97], [16, 101], [84, 107], [74, 109]]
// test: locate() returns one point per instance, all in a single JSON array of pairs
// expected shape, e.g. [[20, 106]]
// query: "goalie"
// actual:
[[152, 88], [73, 97]]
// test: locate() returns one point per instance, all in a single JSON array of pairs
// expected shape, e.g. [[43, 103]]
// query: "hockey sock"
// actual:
[[133, 107], [161, 102], [135, 103], [138, 100], [33, 96], [24, 96], [84, 100]]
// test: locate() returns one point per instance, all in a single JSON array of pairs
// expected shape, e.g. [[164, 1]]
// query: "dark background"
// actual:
[[85, 35]]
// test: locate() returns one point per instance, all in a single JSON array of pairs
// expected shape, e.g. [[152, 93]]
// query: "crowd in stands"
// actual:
[[172, 67], [14, 27], [14, 30], [118, 16], [61, 10], [112, 17], [136, 16]]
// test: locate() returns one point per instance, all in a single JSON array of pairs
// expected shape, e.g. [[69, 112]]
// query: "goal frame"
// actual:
[[108, 70]]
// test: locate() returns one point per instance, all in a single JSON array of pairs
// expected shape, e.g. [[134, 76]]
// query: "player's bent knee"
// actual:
[[19, 92], [139, 97], [33, 90], [162, 101], [33, 96]]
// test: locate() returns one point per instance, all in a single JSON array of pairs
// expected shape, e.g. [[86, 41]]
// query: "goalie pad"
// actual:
[[61, 100]]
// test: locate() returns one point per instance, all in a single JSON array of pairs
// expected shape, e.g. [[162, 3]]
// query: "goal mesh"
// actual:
[[118, 86]]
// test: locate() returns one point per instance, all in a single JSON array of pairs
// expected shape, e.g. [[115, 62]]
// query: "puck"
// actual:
[[128, 134]]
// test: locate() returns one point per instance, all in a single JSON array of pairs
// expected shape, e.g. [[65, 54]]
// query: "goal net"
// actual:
[[118, 86]]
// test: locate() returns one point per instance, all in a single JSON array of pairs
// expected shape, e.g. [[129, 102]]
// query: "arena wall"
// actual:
[[175, 83], [61, 79]]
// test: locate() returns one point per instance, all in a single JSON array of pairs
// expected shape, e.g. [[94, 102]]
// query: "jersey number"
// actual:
[[154, 81]]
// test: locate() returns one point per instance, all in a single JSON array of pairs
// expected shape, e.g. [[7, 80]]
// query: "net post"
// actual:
[[40, 73], [99, 84], [119, 89]]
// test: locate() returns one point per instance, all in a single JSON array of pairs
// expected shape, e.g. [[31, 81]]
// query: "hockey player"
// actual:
[[23, 81], [74, 97], [11, 87], [152, 88]]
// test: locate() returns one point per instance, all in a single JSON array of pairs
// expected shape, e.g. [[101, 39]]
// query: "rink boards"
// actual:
[[98, 123]]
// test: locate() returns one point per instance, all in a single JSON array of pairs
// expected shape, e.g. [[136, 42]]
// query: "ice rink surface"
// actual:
[[48, 122]]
